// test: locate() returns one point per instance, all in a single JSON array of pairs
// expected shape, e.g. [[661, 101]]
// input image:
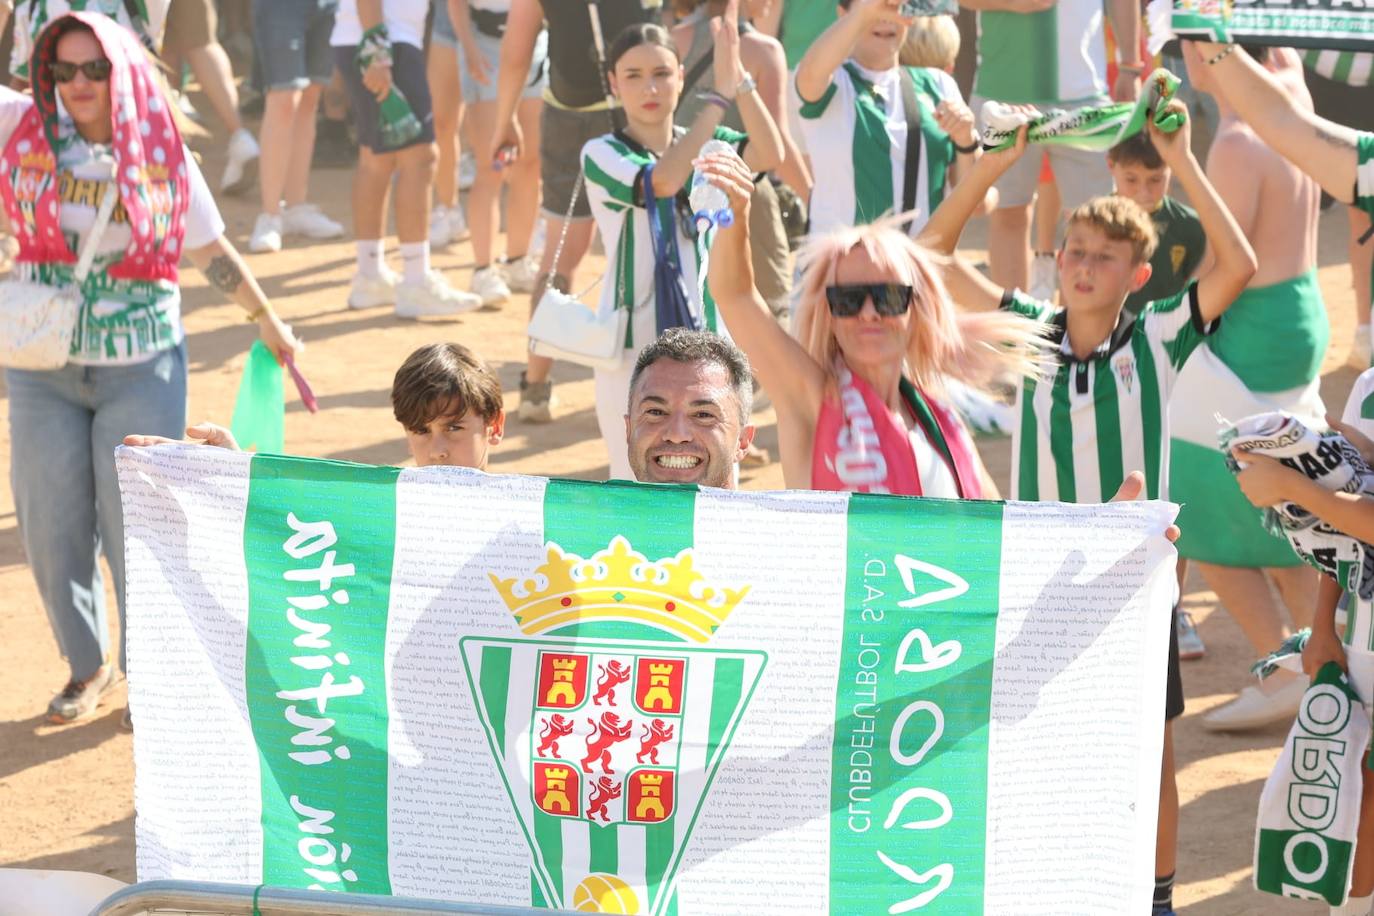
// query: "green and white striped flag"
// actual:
[[626, 699]]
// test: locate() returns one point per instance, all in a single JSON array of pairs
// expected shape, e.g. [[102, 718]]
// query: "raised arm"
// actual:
[[793, 379], [768, 65], [1234, 260], [836, 43], [523, 24], [1323, 149], [765, 144], [947, 223], [1124, 16]]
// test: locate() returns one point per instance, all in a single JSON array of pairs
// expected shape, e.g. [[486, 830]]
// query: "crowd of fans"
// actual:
[[851, 159]]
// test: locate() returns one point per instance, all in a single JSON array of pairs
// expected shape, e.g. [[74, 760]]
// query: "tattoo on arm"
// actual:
[[224, 273], [1340, 139]]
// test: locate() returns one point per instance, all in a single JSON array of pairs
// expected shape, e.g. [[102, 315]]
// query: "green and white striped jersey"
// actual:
[[1084, 425], [1364, 173], [1353, 68], [1048, 58], [613, 165], [856, 135]]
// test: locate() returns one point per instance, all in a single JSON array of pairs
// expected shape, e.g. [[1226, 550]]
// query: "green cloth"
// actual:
[[259, 422], [1218, 524], [803, 21], [1181, 246], [1292, 312]]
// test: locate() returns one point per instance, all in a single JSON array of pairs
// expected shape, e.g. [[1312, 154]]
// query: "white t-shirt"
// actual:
[[121, 321], [31, 15], [405, 22]]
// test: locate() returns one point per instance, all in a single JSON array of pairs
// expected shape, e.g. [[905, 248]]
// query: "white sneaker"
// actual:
[[1190, 644], [439, 232], [457, 224], [266, 233], [521, 275], [242, 166], [1044, 277], [370, 292], [433, 297], [467, 170], [309, 220], [1254, 708], [491, 286]]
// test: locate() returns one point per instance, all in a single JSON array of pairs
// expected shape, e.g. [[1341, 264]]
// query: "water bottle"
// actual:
[[710, 205]]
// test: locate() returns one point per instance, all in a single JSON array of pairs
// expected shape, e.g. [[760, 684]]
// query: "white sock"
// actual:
[[369, 257], [1354, 906], [415, 256]]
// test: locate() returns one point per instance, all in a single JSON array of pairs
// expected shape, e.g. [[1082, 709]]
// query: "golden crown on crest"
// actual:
[[618, 584]]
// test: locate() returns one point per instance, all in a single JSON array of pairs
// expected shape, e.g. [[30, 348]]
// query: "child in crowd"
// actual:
[[1140, 174], [446, 398], [859, 133], [1101, 411], [931, 41]]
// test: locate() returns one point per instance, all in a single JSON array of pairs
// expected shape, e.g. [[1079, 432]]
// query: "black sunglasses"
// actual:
[[889, 299], [64, 71]]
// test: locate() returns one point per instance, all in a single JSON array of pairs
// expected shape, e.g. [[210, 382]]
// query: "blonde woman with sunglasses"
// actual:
[[859, 391]]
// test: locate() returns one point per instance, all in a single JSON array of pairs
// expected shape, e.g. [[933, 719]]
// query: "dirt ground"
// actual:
[[66, 794]]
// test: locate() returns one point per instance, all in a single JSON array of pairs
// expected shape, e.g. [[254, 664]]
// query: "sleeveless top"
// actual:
[[574, 77]]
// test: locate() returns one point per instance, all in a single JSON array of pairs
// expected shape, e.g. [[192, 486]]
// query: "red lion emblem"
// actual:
[[605, 734], [555, 727], [655, 733], [613, 674], [603, 790]]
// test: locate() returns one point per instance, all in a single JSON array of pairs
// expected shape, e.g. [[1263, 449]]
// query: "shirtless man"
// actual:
[[1266, 356]]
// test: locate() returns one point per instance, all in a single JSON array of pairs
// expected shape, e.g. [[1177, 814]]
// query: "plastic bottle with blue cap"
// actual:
[[710, 205]]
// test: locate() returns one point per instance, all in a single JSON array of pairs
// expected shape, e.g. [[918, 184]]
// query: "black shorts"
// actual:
[[1173, 681], [408, 76]]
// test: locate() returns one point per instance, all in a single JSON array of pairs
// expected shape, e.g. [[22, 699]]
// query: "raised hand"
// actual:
[[201, 433], [726, 66]]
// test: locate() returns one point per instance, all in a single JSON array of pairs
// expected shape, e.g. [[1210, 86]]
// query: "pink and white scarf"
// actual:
[[862, 447], [150, 168]]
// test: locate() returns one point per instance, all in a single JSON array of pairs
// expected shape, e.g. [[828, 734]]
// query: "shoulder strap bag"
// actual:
[[37, 321]]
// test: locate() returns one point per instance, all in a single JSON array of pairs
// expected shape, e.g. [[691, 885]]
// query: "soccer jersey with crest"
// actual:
[[1083, 425], [856, 136]]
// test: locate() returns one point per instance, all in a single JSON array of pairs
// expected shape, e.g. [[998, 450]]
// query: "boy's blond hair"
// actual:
[[1121, 220], [932, 41]]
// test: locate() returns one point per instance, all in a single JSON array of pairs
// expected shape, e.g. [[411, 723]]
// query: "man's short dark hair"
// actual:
[[444, 379], [1138, 149], [685, 346]]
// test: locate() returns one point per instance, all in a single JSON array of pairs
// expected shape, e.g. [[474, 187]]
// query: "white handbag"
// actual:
[[563, 327], [37, 321]]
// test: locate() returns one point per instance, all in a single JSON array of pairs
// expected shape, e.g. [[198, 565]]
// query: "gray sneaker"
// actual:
[[80, 698], [1190, 646], [536, 401]]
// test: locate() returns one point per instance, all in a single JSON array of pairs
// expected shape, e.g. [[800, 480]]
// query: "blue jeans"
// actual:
[[64, 426]]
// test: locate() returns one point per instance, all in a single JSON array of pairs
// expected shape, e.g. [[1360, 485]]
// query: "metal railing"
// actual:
[[202, 897]]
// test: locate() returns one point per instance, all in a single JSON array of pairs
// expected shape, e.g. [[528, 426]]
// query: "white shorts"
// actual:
[[1080, 174]]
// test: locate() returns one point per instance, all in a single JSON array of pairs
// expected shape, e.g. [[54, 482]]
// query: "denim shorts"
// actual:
[[292, 41], [490, 46], [442, 31], [407, 75]]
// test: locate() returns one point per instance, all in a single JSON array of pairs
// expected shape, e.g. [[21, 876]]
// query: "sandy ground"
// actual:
[[66, 794]]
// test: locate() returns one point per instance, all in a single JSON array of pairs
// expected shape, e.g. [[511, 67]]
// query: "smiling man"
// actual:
[[691, 394]]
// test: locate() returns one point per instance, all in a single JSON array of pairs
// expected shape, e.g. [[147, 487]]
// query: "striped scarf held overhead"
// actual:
[[1353, 68]]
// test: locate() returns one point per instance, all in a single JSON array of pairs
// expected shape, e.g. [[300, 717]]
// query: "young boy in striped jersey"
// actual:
[[1100, 411]]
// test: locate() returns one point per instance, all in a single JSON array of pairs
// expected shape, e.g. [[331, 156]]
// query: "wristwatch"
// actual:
[[746, 86]]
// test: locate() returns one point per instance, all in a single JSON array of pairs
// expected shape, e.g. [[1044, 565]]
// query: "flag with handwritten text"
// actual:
[[618, 698]]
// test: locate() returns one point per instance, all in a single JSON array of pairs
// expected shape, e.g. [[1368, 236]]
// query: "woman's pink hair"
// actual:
[[945, 343]]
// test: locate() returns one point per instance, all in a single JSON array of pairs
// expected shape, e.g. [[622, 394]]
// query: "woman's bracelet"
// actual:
[[257, 313], [1136, 67], [716, 99], [1222, 56]]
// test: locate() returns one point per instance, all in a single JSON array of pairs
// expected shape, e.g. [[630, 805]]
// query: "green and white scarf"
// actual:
[[1095, 127]]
